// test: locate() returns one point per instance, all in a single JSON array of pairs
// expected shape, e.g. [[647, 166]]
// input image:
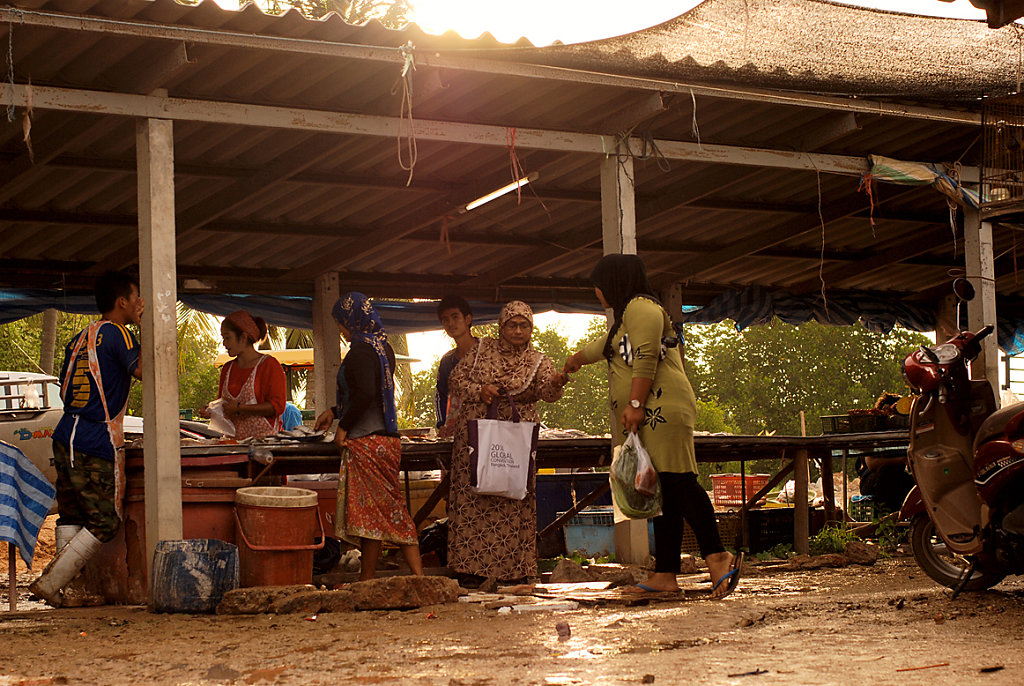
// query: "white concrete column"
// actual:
[[154, 142], [326, 341], [618, 230], [980, 265], [618, 205]]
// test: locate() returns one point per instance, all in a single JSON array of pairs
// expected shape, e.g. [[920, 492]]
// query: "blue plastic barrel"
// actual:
[[192, 575]]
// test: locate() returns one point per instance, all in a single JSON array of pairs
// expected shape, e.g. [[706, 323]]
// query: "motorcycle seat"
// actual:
[[996, 422]]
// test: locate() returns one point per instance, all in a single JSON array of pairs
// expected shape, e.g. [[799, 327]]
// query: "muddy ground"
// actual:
[[887, 624]]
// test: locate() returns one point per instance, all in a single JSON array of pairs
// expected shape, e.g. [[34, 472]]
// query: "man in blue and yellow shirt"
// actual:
[[99, 364]]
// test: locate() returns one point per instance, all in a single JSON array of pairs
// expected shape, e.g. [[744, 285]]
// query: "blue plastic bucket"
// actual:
[[192, 575]]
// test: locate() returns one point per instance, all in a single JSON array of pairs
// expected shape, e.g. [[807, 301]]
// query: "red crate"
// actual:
[[728, 490]]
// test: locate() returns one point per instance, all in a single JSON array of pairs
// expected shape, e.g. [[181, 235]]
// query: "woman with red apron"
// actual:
[[252, 386]]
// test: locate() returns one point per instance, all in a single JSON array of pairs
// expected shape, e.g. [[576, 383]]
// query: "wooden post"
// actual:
[[47, 341], [672, 299], [801, 526], [326, 341], [154, 141], [980, 265]]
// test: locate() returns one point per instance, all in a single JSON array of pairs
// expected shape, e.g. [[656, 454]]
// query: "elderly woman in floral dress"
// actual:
[[491, 537]]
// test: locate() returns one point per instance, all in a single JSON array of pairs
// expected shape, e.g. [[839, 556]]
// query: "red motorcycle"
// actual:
[[966, 512]]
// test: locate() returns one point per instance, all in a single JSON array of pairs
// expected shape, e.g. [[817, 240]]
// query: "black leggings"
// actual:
[[683, 500]]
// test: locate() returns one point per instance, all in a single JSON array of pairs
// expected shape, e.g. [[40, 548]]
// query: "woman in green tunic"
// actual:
[[651, 395]]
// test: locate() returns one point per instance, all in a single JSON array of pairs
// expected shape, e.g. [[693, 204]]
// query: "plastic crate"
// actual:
[[592, 532], [862, 508], [835, 424], [728, 489], [866, 423]]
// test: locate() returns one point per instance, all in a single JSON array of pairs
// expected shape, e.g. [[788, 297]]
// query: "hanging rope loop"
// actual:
[[407, 158]]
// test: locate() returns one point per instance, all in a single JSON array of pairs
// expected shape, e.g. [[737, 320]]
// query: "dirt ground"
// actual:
[[887, 624]]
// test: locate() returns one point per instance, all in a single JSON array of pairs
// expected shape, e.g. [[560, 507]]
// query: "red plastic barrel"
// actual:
[[276, 529]]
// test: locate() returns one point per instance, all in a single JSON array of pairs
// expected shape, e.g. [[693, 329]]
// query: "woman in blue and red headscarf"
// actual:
[[252, 385], [371, 508]]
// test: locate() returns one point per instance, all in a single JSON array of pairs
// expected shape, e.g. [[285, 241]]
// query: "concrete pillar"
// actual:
[[618, 205], [980, 266], [154, 141], [618, 224]]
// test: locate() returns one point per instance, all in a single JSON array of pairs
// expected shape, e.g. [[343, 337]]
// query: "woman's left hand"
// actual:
[[339, 438], [231, 408], [632, 418]]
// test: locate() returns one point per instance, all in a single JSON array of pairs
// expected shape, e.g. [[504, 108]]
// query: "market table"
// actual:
[[290, 458]]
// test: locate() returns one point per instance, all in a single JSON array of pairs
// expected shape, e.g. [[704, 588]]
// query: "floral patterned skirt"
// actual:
[[370, 500]]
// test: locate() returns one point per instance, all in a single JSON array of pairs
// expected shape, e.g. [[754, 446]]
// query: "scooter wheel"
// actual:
[[940, 563]]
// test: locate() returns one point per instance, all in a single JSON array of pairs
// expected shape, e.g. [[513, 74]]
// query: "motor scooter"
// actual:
[[966, 512]]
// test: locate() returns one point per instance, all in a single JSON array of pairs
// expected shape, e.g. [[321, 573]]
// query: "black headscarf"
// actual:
[[620, 278]]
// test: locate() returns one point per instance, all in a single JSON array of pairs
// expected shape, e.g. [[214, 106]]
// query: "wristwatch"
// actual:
[[634, 403]]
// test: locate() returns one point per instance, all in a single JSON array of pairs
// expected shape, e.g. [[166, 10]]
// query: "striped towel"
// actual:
[[25, 498]]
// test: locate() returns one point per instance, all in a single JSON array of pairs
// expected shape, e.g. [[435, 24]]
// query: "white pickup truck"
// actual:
[[30, 407]]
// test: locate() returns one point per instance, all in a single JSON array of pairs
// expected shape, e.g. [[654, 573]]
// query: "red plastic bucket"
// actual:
[[276, 530]]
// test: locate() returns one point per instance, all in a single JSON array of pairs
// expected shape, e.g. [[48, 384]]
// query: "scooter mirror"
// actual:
[[963, 290]]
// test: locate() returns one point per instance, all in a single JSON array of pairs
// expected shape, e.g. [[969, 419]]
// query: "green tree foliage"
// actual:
[[765, 375], [584, 403]]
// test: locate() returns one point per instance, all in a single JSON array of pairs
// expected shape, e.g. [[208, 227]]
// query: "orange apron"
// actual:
[[115, 425]]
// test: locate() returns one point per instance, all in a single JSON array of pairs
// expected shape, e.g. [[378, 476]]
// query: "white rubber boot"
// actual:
[[63, 534], [64, 567]]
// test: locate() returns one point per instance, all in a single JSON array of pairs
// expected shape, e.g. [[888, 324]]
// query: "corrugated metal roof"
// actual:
[[263, 209]]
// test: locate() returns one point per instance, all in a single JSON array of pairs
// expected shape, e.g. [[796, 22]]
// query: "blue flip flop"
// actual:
[[649, 589], [731, 578]]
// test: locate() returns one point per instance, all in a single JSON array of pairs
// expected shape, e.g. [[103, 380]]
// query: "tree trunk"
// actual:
[[48, 341]]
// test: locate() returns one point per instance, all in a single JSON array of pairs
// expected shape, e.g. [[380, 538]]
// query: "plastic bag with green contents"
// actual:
[[630, 469]]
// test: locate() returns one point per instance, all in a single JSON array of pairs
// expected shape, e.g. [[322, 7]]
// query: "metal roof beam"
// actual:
[[433, 58], [182, 109], [743, 248]]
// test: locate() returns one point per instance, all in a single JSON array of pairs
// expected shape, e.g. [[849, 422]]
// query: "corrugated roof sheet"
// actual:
[[73, 210]]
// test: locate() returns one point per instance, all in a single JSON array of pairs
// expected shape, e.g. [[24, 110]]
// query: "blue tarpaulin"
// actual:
[[294, 312], [757, 305]]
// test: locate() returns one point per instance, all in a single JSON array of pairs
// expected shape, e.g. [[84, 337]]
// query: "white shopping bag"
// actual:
[[502, 454]]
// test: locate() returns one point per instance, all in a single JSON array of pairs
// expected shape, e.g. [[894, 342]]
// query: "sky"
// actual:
[[570, 21]]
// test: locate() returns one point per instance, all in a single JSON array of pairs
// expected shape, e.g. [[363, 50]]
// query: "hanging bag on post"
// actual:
[[502, 453]]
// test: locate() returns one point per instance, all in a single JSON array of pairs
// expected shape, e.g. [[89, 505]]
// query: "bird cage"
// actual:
[[1002, 169]]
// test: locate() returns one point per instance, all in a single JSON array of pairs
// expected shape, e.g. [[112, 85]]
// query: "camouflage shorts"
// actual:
[[85, 492]]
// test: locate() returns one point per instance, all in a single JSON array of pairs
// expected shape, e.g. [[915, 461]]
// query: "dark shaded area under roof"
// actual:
[[262, 210]]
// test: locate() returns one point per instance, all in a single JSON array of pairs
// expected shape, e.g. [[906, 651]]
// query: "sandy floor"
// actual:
[[852, 625]]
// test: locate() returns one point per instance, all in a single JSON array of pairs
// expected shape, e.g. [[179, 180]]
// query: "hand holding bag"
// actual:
[[502, 454], [636, 488]]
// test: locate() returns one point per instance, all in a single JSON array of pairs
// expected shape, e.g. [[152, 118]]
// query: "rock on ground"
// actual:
[[568, 572], [817, 561], [403, 592], [284, 600], [257, 599], [861, 553]]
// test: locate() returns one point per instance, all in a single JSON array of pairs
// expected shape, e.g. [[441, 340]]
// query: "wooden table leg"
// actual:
[[12, 576], [801, 526], [574, 510], [440, 491], [828, 486]]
